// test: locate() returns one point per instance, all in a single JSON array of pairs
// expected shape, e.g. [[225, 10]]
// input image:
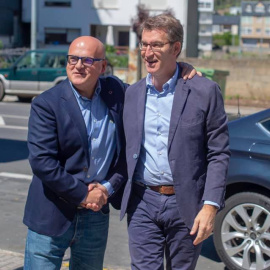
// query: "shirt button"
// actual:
[[161, 173], [159, 153], [95, 121], [159, 133], [93, 139], [88, 175], [135, 156]]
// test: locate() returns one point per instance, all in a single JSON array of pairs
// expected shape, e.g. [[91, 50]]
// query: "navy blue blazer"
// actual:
[[198, 143], [59, 156]]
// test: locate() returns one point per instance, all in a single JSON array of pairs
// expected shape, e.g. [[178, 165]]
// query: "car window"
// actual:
[[54, 60], [30, 60], [266, 124]]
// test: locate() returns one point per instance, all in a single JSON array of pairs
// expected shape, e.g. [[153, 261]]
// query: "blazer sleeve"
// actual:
[[44, 154], [218, 153]]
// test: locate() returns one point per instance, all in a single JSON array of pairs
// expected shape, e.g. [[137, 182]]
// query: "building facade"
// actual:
[[255, 24], [60, 21], [206, 10]]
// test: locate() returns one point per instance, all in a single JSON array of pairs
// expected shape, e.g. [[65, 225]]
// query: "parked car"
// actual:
[[35, 72], [242, 228]]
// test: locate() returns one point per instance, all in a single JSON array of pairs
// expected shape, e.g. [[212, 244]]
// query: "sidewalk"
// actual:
[[14, 261], [10, 260]]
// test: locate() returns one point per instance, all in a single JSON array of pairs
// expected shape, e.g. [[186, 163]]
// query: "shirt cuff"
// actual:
[[108, 186], [212, 203]]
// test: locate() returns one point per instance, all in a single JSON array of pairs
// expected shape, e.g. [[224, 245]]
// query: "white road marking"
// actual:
[[16, 175], [14, 127], [2, 121], [14, 116]]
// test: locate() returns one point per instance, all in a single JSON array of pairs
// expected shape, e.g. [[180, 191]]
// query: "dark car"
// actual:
[[242, 228]]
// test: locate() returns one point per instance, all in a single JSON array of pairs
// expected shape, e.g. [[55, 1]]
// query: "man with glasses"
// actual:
[[76, 146], [177, 154]]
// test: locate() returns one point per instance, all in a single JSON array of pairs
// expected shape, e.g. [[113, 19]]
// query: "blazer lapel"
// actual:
[[181, 93], [141, 110], [71, 105], [109, 96]]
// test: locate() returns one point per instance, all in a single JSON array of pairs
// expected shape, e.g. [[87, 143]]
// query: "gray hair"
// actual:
[[167, 23]]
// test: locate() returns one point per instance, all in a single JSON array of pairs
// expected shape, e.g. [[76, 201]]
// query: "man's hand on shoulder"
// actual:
[[204, 223], [188, 71]]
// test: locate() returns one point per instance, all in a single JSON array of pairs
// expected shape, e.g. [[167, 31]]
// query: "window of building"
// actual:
[[57, 36], [208, 5], [267, 32], [123, 38], [260, 8], [200, 5], [248, 9], [155, 5], [57, 3], [246, 20], [267, 20], [106, 4], [258, 30], [246, 31]]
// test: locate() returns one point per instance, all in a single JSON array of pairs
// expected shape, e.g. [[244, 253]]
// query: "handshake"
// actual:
[[97, 196]]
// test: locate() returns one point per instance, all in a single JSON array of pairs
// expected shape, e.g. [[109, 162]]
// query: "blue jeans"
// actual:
[[86, 237]]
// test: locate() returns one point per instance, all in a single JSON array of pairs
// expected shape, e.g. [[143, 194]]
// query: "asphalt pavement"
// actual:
[[10, 260]]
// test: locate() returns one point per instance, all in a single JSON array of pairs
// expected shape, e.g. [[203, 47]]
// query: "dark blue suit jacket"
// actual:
[[198, 144], [59, 156]]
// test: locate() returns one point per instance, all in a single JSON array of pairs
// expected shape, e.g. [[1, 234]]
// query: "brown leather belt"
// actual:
[[165, 190]]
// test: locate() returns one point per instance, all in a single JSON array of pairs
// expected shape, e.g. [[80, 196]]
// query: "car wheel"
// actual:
[[242, 232], [25, 99], [2, 91]]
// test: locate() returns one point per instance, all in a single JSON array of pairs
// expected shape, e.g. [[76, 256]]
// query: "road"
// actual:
[[15, 177]]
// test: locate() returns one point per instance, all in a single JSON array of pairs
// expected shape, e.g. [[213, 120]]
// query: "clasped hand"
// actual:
[[97, 196]]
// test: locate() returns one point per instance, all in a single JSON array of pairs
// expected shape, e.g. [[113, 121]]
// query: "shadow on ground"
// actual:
[[209, 251], [12, 150]]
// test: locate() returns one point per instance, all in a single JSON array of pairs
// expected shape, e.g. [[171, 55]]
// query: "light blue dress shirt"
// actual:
[[101, 136], [153, 166]]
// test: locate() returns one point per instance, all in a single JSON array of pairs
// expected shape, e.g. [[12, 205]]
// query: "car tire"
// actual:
[[2, 91], [25, 99], [242, 232]]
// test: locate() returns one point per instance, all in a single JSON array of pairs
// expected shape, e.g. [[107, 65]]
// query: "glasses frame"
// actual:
[[83, 60], [153, 49]]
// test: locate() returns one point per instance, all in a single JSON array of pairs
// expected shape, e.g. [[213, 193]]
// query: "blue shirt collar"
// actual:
[[80, 97], [169, 86]]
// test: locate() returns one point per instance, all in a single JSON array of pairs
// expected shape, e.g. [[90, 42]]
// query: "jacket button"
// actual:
[[135, 156]]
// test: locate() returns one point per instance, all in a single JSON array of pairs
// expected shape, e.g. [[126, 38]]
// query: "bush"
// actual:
[[118, 60], [115, 59]]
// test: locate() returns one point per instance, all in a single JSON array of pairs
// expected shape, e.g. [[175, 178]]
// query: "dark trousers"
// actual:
[[155, 227]]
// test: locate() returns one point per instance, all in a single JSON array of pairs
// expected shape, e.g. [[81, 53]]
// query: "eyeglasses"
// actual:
[[86, 61], [155, 47]]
